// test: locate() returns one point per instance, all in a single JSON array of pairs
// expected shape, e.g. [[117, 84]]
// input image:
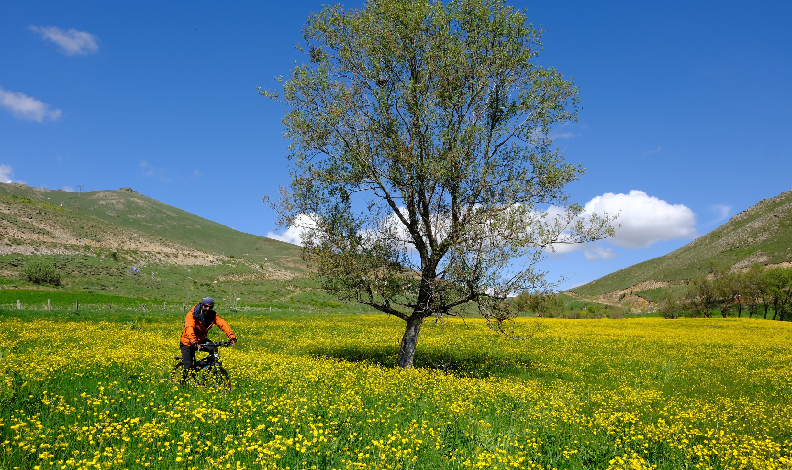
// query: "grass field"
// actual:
[[320, 391], [99, 281]]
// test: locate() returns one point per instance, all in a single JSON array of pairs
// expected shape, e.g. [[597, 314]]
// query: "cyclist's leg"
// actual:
[[188, 358]]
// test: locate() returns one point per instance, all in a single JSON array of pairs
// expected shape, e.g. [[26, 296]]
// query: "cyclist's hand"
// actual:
[[233, 341], [199, 346]]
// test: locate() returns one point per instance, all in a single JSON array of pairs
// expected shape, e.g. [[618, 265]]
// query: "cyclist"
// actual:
[[197, 323]]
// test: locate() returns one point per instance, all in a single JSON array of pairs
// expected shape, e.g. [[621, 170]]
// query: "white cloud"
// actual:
[[5, 173], [293, 234], [643, 219], [722, 210], [24, 107], [148, 171], [657, 150], [599, 252], [565, 135], [68, 189], [71, 42]]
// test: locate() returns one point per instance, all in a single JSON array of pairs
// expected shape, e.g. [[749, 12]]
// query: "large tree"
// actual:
[[422, 158]]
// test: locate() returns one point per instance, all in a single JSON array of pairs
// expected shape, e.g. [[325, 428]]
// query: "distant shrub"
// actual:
[[41, 272], [672, 306]]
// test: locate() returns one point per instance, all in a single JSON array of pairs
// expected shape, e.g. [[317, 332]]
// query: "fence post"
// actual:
[[110, 308], [144, 307], [184, 307], [163, 306], [49, 306], [19, 306], [77, 305]]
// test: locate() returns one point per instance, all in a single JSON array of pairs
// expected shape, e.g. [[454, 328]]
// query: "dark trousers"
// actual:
[[188, 355]]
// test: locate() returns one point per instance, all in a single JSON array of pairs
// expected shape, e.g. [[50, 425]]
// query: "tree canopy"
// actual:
[[422, 158]]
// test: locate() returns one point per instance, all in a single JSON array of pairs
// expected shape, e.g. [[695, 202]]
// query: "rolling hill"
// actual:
[[124, 244], [761, 234], [128, 209]]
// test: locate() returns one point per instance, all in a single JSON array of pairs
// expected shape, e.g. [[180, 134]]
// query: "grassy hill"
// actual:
[[761, 234], [124, 244], [126, 208]]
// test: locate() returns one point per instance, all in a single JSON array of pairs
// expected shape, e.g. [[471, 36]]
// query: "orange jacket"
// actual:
[[195, 331]]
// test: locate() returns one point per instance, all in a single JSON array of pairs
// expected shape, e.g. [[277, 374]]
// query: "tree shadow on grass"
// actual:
[[473, 365]]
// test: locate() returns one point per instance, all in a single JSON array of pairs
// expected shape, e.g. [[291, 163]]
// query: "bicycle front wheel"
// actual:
[[215, 377]]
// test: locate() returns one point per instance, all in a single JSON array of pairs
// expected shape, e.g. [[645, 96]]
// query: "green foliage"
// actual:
[[778, 282], [672, 306], [41, 272], [541, 304], [754, 291], [435, 119]]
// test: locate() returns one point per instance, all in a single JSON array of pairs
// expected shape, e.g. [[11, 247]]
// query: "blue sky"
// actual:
[[687, 108]]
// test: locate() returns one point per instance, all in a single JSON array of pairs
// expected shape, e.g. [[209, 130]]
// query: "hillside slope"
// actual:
[[36, 227], [129, 209], [94, 256], [760, 234]]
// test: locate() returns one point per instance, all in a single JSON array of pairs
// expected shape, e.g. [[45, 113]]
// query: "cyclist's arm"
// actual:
[[226, 329], [188, 335]]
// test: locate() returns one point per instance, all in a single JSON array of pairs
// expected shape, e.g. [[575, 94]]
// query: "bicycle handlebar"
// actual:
[[210, 346]]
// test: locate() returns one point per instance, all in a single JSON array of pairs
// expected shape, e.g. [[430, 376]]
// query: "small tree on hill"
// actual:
[[703, 295], [421, 153], [755, 290], [778, 282], [729, 287]]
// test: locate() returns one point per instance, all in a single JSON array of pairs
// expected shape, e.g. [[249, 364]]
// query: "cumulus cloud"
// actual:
[[71, 42], [643, 219], [23, 106], [5, 173], [294, 233], [68, 189]]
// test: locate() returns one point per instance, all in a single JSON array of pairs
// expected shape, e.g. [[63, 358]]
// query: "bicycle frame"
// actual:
[[206, 371], [214, 354]]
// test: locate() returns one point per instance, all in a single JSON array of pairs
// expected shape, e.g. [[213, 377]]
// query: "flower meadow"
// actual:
[[316, 391]]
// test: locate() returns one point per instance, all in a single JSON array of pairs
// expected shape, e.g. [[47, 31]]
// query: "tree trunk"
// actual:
[[409, 342]]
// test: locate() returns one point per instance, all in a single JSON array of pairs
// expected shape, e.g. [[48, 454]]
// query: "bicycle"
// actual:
[[207, 372]]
